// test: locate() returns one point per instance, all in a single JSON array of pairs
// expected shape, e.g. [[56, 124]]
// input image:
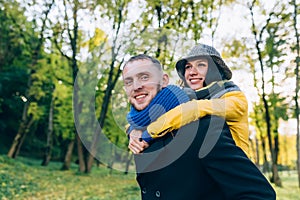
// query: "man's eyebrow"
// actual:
[[138, 74], [128, 78], [142, 73]]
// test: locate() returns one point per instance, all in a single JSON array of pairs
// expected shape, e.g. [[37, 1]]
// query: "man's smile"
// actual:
[[140, 96]]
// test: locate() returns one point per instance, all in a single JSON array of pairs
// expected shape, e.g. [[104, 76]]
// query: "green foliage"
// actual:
[[13, 86], [63, 112], [15, 182], [15, 49], [98, 39], [24, 70], [258, 119], [116, 132], [25, 178]]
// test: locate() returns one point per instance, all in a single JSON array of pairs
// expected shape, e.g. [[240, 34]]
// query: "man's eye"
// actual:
[[128, 83], [144, 77]]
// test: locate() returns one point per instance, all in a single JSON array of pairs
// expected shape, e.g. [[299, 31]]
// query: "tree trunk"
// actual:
[[129, 160], [258, 40], [80, 149], [68, 156], [19, 138], [16, 141], [297, 86], [272, 151], [94, 142], [112, 80], [275, 176], [257, 152], [25, 132], [93, 150], [112, 159], [77, 107], [48, 150], [266, 167], [21, 131], [25, 125], [73, 36]]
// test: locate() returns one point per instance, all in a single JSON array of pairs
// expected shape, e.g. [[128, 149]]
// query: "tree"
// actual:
[[13, 68], [270, 61], [49, 145], [29, 113], [101, 52], [297, 61], [67, 35], [258, 39], [117, 12]]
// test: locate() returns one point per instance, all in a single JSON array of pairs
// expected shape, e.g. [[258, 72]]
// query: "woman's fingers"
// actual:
[[137, 146]]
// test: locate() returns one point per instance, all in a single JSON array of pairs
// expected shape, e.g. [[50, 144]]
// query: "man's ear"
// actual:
[[165, 80]]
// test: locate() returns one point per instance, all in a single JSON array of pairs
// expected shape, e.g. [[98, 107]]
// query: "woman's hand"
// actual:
[[136, 145]]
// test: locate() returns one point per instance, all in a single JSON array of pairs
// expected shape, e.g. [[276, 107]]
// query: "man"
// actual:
[[185, 164]]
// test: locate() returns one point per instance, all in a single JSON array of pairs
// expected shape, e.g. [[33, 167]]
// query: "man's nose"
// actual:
[[137, 85]]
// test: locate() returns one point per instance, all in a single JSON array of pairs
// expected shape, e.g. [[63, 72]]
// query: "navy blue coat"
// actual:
[[200, 162]]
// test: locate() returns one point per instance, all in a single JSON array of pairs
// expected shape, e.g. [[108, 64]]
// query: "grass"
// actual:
[[290, 189], [24, 178]]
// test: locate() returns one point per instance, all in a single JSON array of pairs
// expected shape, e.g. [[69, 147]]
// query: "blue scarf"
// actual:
[[166, 99]]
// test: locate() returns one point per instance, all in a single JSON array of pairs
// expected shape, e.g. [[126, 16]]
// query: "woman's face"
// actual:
[[195, 72]]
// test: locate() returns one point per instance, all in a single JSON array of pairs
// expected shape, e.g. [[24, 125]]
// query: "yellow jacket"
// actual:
[[233, 106]]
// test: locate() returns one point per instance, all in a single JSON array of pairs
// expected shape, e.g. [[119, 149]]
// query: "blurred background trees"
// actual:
[[60, 66]]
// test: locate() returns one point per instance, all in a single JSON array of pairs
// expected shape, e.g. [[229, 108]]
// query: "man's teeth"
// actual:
[[140, 96]]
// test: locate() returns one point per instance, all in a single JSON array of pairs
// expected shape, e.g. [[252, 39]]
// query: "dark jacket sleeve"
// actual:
[[236, 175]]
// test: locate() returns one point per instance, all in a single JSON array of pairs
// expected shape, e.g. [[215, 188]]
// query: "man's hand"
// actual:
[[135, 144]]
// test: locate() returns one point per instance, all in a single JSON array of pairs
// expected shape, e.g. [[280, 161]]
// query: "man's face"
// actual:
[[142, 81], [195, 72]]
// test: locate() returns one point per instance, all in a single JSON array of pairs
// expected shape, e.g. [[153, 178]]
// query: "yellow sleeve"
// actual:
[[174, 119], [231, 106]]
